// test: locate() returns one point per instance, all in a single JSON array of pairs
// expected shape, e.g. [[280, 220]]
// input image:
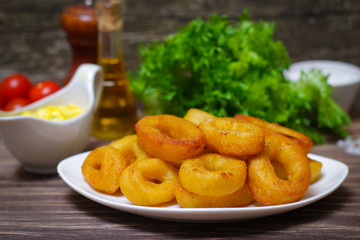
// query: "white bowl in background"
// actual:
[[343, 77], [40, 144]]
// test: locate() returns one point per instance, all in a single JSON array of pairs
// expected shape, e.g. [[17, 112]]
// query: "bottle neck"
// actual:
[[109, 46], [110, 25]]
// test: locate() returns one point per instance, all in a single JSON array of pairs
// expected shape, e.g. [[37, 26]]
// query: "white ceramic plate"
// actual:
[[333, 174]]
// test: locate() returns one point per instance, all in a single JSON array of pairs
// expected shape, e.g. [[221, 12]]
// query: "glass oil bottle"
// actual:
[[115, 115]]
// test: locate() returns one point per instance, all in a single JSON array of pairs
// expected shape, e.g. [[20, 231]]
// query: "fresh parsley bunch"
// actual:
[[228, 68]]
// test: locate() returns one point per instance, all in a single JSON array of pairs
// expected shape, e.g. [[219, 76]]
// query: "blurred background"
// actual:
[[33, 42]]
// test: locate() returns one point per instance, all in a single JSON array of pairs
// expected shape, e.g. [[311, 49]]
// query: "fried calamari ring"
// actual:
[[169, 137], [239, 198], [197, 116], [315, 167], [233, 137], [298, 137], [149, 182], [213, 175], [129, 148], [266, 186], [102, 169]]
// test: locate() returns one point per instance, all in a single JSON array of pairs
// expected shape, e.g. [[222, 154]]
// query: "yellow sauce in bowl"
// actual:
[[56, 113]]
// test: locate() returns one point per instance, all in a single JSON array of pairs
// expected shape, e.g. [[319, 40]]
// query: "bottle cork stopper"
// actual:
[[110, 15]]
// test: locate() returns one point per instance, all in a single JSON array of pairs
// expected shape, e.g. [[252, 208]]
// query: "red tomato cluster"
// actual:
[[16, 91]]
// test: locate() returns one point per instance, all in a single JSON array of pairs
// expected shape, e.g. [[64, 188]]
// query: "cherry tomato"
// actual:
[[13, 86], [42, 89], [1, 103], [16, 103]]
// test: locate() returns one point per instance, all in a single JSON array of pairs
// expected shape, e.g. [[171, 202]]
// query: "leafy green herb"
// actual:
[[228, 68]]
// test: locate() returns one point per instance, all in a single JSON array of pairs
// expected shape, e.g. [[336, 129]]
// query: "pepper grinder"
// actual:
[[80, 23]]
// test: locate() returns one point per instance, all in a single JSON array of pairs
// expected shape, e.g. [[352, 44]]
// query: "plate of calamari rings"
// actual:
[[203, 168]]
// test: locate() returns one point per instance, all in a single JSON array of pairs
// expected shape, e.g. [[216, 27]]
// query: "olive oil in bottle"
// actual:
[[115, 115]]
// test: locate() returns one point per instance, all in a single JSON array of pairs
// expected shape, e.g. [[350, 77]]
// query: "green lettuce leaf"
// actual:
[[227, 68]]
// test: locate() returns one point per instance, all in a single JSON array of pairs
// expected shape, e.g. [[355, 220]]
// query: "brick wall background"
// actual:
[[33, 42]]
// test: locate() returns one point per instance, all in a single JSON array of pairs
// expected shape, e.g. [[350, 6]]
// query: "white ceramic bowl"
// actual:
[[41, 144], [343, 77]]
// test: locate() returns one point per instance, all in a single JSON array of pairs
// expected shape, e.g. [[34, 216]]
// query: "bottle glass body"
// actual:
[[115, 115]]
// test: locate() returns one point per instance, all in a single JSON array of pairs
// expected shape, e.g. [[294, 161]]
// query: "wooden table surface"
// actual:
[[44, 207]]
